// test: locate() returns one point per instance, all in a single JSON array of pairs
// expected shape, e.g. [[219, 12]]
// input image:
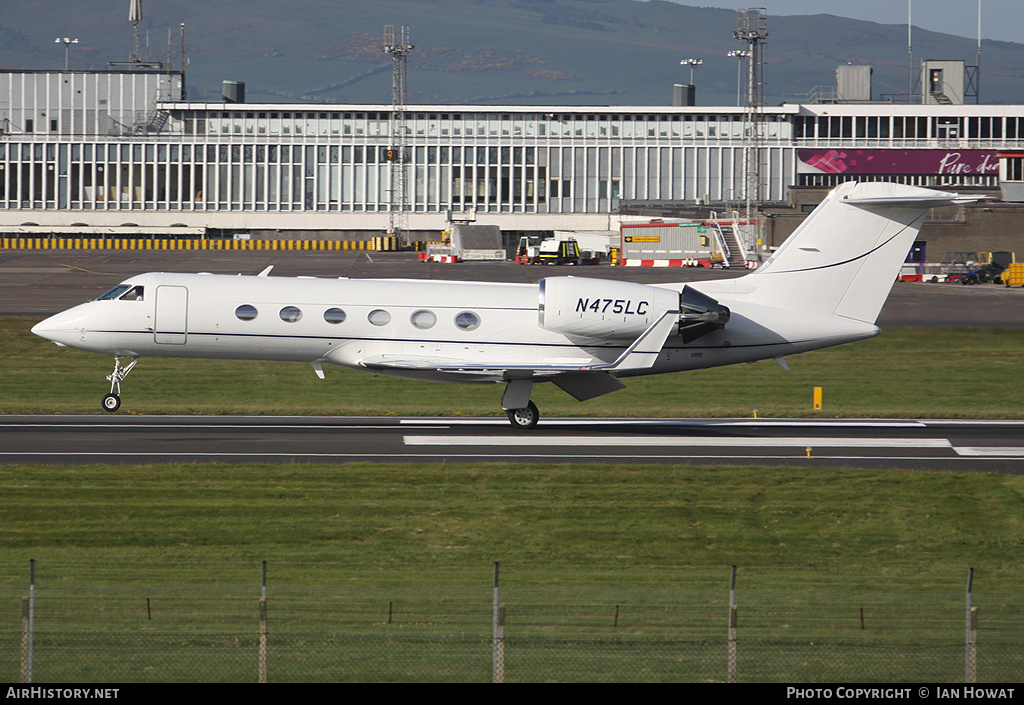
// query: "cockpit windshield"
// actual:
[[124, 292], [114, 293]]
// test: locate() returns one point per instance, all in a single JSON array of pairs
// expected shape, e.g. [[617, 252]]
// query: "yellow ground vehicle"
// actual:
[[554, 251], [1014, 274]]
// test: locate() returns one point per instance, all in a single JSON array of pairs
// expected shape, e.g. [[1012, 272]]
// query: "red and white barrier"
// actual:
[[676, 263], [664, 263]]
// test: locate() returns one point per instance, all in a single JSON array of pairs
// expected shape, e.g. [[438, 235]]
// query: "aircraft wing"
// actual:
[[641, 354], [428, 364]]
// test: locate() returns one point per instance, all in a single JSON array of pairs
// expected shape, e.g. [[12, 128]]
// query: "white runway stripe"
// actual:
[[789, 423], [994, 451], [676, 442]]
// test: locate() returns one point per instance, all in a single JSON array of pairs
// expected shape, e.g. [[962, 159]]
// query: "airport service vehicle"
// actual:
[[559, 249], [556, 251], [824, 286]]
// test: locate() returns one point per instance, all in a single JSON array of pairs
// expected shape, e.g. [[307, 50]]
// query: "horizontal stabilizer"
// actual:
[[933, 199]]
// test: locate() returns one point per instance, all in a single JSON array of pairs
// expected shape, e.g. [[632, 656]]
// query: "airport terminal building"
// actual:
[[109, 148]]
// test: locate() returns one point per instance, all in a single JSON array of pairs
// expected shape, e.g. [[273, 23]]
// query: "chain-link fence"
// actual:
[[148, 622]]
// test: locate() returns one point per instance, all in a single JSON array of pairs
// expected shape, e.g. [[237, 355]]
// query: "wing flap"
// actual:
[[587, 385]]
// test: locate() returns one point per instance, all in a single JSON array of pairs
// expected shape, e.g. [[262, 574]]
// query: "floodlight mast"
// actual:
[[66, 42], [739, 54], [397, 44], [691, 63]]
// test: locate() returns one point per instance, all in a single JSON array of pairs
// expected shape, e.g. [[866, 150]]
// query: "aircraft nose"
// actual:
[[63, 328]]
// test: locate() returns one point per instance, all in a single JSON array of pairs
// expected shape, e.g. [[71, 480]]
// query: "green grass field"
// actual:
[[384, 572], [526, 514], [152, 572], [902, 373]]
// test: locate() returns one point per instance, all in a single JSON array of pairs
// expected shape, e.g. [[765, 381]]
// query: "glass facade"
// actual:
[[258, 160], [64, 146]]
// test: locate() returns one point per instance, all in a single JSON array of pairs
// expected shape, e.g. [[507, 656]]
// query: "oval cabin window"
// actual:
[[379, 317], [467, 320], [423, 319], [245, 312], [291, 314], [334, 315]]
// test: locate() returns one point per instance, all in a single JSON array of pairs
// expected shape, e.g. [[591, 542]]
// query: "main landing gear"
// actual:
[[112, 402], [526, 417], [522, 413]]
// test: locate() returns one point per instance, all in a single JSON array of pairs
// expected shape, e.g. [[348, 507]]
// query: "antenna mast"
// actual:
[[752, 28], [396, 43]]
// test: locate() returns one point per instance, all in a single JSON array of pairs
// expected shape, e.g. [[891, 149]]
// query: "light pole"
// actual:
[[740, 55], [66, 42], [691, 63]]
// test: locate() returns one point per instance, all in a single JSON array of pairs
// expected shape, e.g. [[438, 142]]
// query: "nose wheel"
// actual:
[[112, 401], [526, 417]]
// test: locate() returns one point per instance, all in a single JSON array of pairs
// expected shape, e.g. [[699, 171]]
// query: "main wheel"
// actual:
[[111, 402], [524, 418]]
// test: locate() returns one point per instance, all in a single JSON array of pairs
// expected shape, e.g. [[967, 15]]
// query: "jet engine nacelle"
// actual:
[[601, 308]]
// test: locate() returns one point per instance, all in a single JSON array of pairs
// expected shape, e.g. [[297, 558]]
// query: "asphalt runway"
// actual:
[[35, 284], [964, 446]]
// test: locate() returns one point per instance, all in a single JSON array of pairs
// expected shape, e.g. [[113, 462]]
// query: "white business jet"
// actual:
[[824, 286]]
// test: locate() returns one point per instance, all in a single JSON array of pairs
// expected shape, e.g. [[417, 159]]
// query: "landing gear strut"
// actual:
[[524, 418], [112, 401]]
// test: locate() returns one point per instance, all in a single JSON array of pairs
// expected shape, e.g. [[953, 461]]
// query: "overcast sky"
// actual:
[[1000, 19]]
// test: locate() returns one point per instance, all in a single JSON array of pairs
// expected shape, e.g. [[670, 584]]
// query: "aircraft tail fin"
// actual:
[[845, 257]]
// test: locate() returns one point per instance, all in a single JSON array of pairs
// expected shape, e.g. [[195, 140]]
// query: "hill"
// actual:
[[617, 52]]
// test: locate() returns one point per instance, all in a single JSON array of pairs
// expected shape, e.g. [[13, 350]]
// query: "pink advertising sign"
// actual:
[[898, 161]]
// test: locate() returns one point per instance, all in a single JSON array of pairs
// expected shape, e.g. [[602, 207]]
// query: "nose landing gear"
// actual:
[[112, 401]]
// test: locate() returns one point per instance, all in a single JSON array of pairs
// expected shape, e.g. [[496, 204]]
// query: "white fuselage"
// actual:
[[435, 326]]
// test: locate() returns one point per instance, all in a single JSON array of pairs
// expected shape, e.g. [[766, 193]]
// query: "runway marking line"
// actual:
[[994, 451], [677, 441]]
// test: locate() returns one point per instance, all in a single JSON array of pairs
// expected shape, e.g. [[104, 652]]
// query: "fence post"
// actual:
[[970, 654], [25, 668], [499, 652], [263, 628], [28, 657], [731, 667], [972, 647], [498, 673]]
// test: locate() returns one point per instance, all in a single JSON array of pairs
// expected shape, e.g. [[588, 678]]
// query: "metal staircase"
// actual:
[[152, 121], [733, 254]]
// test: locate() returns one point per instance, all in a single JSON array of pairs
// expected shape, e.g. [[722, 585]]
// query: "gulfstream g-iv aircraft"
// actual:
[[824, 286]]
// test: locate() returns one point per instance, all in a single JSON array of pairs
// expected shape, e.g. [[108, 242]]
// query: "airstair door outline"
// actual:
[[170, 321]]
